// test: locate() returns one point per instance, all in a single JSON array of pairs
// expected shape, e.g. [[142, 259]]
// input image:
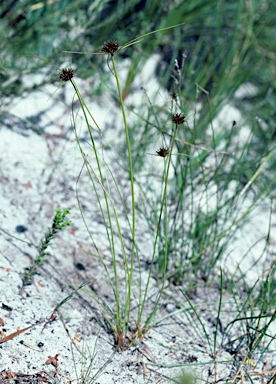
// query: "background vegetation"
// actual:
[[226, 43]]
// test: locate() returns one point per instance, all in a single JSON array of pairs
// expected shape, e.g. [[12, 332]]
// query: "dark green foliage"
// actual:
[[226, 43]]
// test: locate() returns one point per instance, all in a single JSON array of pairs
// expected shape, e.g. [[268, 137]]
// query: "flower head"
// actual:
[[163, 152], [66, 74], [174, 96], [110, 47], [178, 119]]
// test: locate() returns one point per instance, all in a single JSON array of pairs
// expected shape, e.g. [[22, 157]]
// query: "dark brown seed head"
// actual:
[[66, 74], [110, 47], [163, 152], [178, 119], [174, 96]]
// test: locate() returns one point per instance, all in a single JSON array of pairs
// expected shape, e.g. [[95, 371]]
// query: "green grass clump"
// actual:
[[188, 238], [226, 43]]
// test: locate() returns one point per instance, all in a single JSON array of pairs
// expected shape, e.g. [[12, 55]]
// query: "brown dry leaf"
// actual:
[[49, 321], [10, 375], [12, 335], [53, 360], [2, 322], [76, 337], [14, 357], [52, 317], [41, 377], [72, 230], [27, 185], [7, 374], [40, 283], [2, 334]]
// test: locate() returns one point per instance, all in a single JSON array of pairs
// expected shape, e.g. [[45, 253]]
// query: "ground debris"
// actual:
[[9, 377]]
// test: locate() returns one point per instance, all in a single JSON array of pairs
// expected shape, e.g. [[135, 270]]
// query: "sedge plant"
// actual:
[[192, 171], [119, 317]]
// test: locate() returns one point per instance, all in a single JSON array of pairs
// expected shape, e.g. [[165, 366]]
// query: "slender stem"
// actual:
[[128, 298], [163, 203], [111, 238], [218, 315]]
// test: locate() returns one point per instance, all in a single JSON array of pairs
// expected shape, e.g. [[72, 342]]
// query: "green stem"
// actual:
[[163, 203], [128, 298], [111, 238]]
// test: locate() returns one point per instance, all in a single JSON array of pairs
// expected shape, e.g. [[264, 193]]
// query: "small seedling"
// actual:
[[59, 223], [185, 378]]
